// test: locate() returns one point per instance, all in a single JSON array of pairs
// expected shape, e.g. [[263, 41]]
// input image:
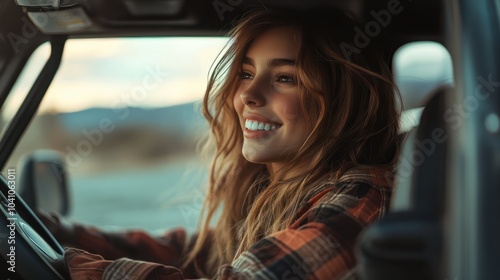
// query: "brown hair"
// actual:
[[348, 102]]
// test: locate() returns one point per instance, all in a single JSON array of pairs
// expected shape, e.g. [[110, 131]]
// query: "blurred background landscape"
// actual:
[[124, 114], [144, 174], [144, 136]]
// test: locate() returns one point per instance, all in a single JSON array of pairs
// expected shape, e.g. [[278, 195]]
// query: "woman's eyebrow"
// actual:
[[248, 60], [274, 62]]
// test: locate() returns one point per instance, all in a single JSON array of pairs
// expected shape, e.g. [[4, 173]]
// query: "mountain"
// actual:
[[185, 119]]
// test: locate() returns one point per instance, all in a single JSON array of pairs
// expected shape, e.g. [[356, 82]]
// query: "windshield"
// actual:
[[125, 113]]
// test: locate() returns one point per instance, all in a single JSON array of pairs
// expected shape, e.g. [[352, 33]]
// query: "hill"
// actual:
[[99, 139]]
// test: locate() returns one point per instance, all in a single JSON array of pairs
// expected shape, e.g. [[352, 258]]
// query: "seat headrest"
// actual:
[[420, 68]]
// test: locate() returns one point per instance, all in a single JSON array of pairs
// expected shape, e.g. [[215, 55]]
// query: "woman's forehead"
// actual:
[[276, 42]]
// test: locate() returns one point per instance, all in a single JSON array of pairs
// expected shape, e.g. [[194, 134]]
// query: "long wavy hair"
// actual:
[[349, 101]]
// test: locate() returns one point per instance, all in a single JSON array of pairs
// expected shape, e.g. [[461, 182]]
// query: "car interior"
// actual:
[[441, 223]]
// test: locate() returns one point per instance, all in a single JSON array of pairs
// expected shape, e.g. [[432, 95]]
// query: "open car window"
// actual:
[[125, 113]]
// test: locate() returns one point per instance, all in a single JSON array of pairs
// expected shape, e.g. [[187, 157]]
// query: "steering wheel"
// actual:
[[29, 251]]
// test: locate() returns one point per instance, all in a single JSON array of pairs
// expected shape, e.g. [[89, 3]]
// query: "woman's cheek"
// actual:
[[288, 107]]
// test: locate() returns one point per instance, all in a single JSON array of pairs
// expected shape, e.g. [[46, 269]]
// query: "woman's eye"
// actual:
[[245, 76], [286, 79]]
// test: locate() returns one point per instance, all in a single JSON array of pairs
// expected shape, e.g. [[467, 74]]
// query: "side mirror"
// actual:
[[43, 182]]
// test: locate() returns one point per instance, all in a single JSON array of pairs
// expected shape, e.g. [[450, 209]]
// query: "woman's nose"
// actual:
[[253, 96]]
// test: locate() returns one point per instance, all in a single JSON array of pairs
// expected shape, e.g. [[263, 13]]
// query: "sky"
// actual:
[[119, 72]]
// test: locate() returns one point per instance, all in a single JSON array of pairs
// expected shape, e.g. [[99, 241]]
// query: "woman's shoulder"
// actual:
[[362, 194], [376, 177], [354, 182]]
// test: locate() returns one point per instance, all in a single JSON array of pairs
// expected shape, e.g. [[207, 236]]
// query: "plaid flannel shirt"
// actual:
[[319, 244]]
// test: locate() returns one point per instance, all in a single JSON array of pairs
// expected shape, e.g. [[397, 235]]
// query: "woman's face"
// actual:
[[267, 100]]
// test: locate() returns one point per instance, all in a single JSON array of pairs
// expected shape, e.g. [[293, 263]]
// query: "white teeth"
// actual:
[[256, 126]]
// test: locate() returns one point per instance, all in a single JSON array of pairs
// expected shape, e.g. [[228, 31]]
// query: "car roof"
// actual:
[[416, 20]]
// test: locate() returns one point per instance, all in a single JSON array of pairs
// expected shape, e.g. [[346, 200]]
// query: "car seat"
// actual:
[[406, 243]]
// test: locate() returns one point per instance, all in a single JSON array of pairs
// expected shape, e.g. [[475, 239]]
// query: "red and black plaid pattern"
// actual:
[[318, 245]]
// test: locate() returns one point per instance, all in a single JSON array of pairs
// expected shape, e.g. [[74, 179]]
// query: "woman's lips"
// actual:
[[257, 126], [250, 134], [254, 125], [254, 129]]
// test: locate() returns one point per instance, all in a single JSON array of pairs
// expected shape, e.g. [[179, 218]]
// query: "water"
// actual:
[[153, 199]]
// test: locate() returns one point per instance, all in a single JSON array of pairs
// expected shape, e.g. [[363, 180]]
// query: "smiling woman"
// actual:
[[304, 141], [267, 100]]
